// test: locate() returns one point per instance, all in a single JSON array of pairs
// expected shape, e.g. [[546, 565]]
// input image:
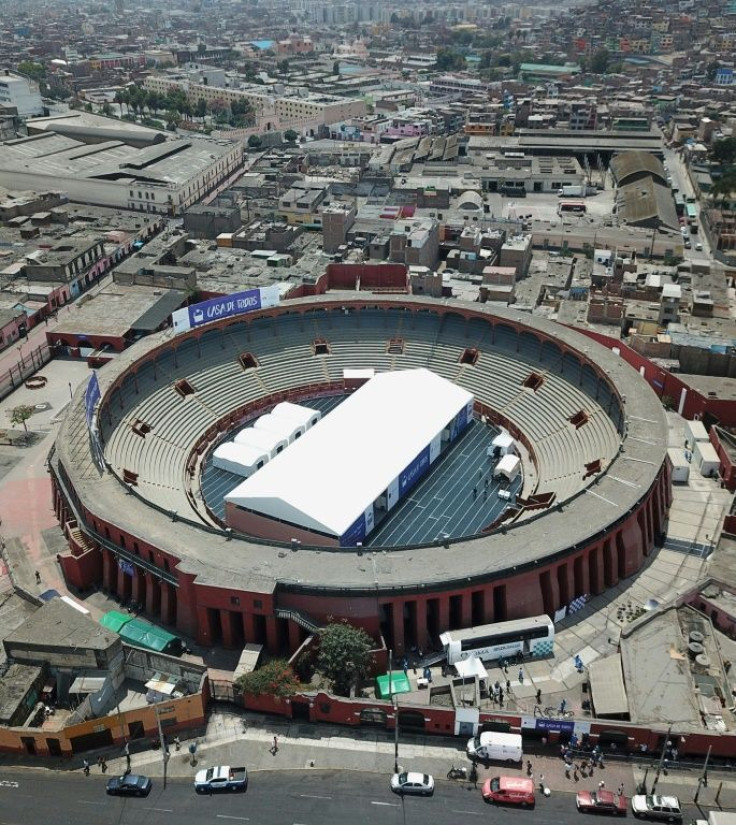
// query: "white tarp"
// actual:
[[287, 428], [297, 412], [509, 466], [241, 459], [269, 442], [471, 667], [329, 477]]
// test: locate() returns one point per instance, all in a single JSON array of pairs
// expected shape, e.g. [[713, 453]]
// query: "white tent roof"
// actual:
[[241, 459], [295, 412], [507, 465], [263, 439], [471, 667], [281, 426], [503, 440], [333, 473]]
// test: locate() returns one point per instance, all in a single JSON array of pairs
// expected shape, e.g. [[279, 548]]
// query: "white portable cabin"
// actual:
[[680, 465], [705, 458], [281, 426], [296, 412], [271, 443], [694, 432], [509, 467], [503, 442], [240, 459]]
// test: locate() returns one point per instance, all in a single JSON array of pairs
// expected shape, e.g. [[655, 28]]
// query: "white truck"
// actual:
[[573, 191], [220, 778], [492, 746]]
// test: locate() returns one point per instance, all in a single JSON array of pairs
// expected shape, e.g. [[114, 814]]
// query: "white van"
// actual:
[[492, 746]]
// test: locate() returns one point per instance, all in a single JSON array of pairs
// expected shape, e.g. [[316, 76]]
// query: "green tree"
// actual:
[[336, 67], [344, 655], [283, 66], [21, 414], [711, 69], [290, 136], [119, 99], [200, 108], [107, 109], [599, 61], [254, 142], [724, 151], [30, 68], [449, 60], [275, 678]]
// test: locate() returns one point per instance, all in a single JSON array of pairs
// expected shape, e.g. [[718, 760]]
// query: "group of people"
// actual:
[[586, 765], [101, 763]]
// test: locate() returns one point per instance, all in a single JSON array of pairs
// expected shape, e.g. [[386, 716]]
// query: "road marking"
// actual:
[[8, 783], [389, 804], [472, 813], [90, 802], [313, 796], [240, 818], [161, 810]]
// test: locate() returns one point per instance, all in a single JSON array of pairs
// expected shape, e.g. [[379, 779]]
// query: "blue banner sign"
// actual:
[[91, 397], [411, 475], [226, 306]]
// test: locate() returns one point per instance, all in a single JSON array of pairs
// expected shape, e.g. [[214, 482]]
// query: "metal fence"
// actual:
[[27, 364]]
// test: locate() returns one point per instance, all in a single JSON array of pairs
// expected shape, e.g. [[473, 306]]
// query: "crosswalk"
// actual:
[[688, 548]]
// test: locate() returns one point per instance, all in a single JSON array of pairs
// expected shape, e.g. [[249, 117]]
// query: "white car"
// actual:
[[699, 246], [421, 784], [663, 808]]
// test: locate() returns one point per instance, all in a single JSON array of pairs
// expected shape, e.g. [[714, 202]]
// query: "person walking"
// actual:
[[521, 676], [563, 705], [103, 765], [621, 789], [275, 746], [539, 696], [85, 767]]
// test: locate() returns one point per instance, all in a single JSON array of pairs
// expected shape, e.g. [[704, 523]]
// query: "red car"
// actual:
[[601, 802]]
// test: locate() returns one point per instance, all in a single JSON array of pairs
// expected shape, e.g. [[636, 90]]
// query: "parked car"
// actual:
[[509, 790], [416, 783], [662, 808], [601, 802], [129, 785], [220, 778], [699, 246]]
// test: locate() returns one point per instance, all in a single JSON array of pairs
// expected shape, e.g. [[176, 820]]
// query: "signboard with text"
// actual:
[[226, 306]]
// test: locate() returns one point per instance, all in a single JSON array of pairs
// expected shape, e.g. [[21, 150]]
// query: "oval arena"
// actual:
[[592, 503]]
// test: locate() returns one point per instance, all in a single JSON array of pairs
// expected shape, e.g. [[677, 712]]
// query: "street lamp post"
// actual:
[[395, 705], [662, 758], [164, 747]]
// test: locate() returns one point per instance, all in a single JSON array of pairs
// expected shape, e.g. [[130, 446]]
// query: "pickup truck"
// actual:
[[220, 778]]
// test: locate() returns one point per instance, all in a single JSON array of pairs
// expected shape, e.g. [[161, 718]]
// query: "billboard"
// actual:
[[226, 306], [91, 397], [355, 533]]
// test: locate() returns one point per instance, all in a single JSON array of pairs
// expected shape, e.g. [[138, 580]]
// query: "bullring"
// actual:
[[594, 504]]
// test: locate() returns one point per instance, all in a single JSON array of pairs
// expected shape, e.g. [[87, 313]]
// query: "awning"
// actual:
[[154, 316], [87, 684], [607, 688]]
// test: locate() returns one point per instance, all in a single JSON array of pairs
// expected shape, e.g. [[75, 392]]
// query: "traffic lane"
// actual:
[[272, 798]]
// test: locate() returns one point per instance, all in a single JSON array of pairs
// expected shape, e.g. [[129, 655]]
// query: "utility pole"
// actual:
[[662, 758], [164, 747], [703, 779], [395, 704]]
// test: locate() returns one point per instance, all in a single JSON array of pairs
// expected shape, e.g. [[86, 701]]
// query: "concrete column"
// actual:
[[227, 629], [466, 609], [444, 612], [138, 587], [204, 628], [272, 635], [295, 638], [421, 614], [108, 569], [488, 605], [398, 626], [595, 569], [168, 603], [153, 595], [249, 627], [122, 585]]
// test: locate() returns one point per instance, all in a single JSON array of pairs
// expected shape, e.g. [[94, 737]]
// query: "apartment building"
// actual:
[[20, 92]]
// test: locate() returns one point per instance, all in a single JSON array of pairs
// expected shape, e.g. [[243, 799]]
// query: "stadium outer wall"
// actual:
[[278, 613]]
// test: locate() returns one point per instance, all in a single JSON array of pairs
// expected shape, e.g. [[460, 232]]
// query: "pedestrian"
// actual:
[[85, 767], [485, 495], [177, 742], [621, 789], [601, 785], [567, 770], [500, 694], [528, 767], [521, 676], [505, 665], [539, 696], [275, 747], [575, 775], [99, 761], [508, 686], [563, 705], [103, 765], [541, 782], [485, 483], [475, 493], [38, 577]]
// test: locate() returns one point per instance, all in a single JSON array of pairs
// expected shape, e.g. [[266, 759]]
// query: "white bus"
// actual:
[[534, 636]]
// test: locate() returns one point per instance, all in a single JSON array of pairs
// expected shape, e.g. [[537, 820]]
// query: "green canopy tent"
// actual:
[[115, 621], [389, 684]]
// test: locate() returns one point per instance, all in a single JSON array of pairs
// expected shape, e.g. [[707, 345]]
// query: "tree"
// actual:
[[599, 61], [30, 68], [275, 678], [344, 655], [283, 66], [21, 414], [200, 108], [119, 99], [336, 67], [724, 151], [290, 136], [107, 109], [449, 60], [254, 142]]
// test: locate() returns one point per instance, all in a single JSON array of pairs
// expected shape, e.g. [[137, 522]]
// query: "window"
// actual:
[[235, 600]]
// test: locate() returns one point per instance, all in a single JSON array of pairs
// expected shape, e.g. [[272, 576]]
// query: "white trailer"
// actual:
[[680, 465], [705, 458]]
